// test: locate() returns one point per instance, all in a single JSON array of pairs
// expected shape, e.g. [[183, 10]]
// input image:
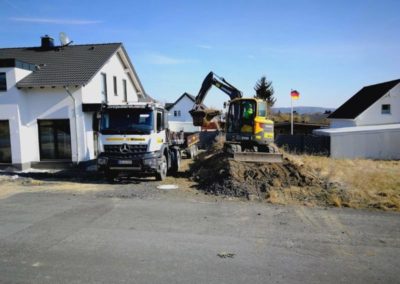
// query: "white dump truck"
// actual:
[[135, 140]]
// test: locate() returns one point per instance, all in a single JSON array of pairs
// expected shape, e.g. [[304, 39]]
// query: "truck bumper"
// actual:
[[138, 163]]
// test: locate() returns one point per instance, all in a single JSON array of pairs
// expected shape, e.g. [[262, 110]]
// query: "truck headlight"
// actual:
[[102, 161]]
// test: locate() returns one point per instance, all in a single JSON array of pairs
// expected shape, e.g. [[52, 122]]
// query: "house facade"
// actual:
[[49, 97], [179, 117], [368, 124]]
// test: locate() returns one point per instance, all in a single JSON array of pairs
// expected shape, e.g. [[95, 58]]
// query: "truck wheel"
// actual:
[[162, 171], [110, 175], [176, 162]]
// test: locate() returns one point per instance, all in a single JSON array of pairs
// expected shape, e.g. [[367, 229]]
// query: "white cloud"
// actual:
[[160, 59], [55, 21]]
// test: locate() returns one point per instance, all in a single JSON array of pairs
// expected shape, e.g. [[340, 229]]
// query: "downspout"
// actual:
[[76, 124]]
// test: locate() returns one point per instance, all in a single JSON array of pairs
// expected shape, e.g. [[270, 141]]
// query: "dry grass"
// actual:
[[367, 183]]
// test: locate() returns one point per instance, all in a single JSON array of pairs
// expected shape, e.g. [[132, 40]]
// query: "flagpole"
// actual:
[[291, 113]]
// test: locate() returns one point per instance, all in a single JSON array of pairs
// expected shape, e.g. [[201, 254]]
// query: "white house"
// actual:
[[368, 124], [179, 116], [49, 96]]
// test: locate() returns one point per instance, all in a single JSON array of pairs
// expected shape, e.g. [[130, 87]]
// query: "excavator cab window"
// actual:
[[241, 113], [262, 109]]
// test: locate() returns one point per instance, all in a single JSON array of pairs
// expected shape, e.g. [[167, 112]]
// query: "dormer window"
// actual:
[[3, 82], [386, 109]]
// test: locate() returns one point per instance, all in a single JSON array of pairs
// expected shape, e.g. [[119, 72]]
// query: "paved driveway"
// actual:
[[52, 237]]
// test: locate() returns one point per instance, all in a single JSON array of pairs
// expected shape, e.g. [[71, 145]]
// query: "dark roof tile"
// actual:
[[73, 65], [363, 100]]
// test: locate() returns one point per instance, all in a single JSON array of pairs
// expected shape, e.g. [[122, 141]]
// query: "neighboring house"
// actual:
[[372, 105], [49, 96], [368, 124], [179, 116]]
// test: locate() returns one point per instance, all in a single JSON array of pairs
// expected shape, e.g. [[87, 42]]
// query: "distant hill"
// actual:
[[302, 109]]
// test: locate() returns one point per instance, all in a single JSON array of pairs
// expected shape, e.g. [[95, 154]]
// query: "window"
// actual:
[[3, 82], [115, 86], [386, 109], [5, 145], [54, 139], [177, 113], [262, 109], [160, 121], [125, 90], [104, 86]]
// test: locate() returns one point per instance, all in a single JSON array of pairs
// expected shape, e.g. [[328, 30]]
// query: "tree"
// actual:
[[265, 91]]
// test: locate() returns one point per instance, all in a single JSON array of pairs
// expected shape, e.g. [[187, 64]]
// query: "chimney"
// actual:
[[47, 42]]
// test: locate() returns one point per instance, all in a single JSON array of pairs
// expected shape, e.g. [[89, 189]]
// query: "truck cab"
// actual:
[[134, 139]]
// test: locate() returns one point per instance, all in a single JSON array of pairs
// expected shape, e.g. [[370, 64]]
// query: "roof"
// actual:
[[72, 65], [363, 100], [366, 128], [169, 106]]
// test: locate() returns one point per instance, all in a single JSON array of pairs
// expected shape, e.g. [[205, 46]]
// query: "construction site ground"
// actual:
[[81, 229], [311, 181]]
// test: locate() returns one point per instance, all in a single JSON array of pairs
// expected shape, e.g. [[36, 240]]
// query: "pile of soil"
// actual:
[[217, 173]]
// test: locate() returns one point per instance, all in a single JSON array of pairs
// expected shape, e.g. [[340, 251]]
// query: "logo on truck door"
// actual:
[[124, 149]]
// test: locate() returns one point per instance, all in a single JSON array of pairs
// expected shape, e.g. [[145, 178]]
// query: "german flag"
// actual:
[[295, 95]]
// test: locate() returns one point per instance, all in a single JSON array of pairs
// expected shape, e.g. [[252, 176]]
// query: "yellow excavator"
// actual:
[[249, 133]]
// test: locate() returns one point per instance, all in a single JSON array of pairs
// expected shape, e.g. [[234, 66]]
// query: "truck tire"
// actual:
[[176, 162], [110, 175], [162, 171]]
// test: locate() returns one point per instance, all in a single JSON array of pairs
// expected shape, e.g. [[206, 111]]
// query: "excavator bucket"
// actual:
[[203, 117], [258, 157]]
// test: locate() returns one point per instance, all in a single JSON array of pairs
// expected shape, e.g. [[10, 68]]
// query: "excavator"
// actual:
[[249, 133]]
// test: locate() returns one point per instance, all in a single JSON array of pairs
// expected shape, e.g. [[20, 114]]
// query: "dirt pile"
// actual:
[[217, 173]]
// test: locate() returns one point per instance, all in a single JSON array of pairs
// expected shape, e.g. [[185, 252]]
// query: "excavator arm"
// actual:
[[201, 116]]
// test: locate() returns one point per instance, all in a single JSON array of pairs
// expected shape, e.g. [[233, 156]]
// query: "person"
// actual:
[[248, 111]]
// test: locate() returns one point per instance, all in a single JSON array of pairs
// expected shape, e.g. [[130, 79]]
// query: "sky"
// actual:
[[327, 50]]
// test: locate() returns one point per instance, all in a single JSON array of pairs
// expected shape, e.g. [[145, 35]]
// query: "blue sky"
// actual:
[[327, 50]]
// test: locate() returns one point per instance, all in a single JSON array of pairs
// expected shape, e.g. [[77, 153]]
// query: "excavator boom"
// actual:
[[202, 116]]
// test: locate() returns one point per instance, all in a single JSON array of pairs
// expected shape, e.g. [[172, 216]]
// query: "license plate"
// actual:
[[125, 162]]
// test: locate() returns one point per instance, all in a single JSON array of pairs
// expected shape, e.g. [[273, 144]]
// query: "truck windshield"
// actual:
[[126, 121]]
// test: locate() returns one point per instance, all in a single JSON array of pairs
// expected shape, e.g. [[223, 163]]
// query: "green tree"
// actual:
[[265, 91]]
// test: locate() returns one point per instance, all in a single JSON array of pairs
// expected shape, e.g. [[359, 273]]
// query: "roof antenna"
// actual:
[[64, 39]]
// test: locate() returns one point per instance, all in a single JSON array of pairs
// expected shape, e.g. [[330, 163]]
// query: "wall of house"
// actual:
[[24, 107], [184, 106], [183, 122], [375, 144], [91, 93], [373, 115], [10, 110]]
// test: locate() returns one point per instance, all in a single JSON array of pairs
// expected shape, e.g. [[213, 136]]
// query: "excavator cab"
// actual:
[[247, 123]]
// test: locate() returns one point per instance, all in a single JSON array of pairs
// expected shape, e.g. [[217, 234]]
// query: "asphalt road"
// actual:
[[88, 238]]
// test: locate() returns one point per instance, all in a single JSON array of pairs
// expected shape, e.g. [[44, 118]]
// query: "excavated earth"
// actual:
[[217, 173]]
